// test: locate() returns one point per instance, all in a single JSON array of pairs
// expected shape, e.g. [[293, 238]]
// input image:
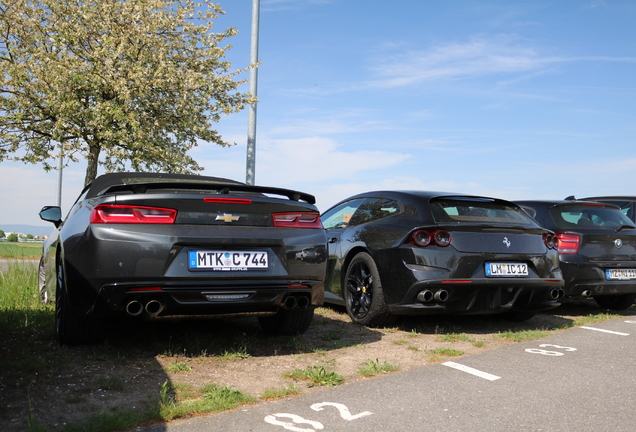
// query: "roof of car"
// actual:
[[422, 194]]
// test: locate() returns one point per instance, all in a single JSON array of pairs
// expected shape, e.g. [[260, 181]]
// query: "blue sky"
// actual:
[[516, 100]]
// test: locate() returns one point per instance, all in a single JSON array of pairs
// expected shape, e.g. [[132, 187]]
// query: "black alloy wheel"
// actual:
[[363, 294], [615, 302]]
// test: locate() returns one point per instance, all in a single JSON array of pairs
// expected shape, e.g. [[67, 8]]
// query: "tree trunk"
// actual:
[[92, 158]]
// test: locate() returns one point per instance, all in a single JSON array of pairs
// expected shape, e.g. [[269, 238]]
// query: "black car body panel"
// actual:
[[381, 223], [603, 239], [108, 266]]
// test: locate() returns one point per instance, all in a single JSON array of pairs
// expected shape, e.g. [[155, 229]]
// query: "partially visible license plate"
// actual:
[[506, 269], [620, 274], [228, 260]]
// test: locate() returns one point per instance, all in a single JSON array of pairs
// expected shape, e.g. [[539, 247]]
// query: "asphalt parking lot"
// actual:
[[579, 379]]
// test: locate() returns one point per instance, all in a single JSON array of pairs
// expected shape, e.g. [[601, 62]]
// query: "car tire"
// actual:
[[42, 291], [615, 302], [518, 315], [363, 295], [287, 322], [69, 328]]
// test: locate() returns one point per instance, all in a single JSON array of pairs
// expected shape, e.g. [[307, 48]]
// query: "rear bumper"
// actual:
[[589, 279], [180, 299], [480, 296], [111, 268]]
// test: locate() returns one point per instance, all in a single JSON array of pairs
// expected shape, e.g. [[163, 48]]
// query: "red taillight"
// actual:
[[114, 213], [551, 241], [297, 220], [421, 238], [435, 237], [568, 243]]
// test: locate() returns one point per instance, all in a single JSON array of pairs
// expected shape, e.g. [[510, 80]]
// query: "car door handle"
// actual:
[[333, 239]]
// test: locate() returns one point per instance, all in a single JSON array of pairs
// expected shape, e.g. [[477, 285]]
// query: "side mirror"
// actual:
[[51, 214]]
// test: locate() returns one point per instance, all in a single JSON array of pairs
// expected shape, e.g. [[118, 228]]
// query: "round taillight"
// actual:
[[421, 238], [441, 238], [550, 241]]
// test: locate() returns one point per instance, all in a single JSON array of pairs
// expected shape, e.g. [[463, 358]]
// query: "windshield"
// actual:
[[480, 212], [577, 216]]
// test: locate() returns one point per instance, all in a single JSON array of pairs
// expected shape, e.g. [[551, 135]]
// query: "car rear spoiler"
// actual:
[[222, 188]]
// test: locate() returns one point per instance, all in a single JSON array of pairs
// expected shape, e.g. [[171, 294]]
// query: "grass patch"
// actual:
[[174, 403], [374, 367], [11, 250], [177, 366], [594, 318], [319, 375], [20, 305], [523, 335], [454, 337], [447, 352], [279, 393]]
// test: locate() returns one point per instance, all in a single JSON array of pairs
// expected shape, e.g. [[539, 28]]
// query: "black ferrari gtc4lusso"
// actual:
[[407, 253]]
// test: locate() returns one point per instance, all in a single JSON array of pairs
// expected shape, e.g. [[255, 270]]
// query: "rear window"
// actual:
[[486, 211], [579, 216]]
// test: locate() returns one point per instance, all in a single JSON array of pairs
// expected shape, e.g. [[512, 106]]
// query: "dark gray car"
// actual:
[[421, 253], [597, 248], [169, 245]]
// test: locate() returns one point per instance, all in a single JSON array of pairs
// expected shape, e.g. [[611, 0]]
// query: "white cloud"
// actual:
[[479, 56], [317, 159]]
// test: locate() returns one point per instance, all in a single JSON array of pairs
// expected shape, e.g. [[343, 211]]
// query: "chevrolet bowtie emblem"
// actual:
[[227, 218]]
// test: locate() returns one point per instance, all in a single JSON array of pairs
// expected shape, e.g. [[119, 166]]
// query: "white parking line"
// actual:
[[471, 371], [605, 331]]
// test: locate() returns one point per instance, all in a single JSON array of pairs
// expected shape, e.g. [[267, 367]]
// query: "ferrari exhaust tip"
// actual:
[[425, 296], [134, 308], [441, 296]]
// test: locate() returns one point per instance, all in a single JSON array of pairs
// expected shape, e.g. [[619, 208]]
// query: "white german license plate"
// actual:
[[228, 260], [506, 269], [621, 274]]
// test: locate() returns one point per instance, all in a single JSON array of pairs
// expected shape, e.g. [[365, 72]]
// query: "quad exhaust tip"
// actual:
[[136, 308], [428, 296], [296, 302]]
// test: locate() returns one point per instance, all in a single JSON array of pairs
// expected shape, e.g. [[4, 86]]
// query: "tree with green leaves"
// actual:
[[126, 84], [13, 237], [2, 234]]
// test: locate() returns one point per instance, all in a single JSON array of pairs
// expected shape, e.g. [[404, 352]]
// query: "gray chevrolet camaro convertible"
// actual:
[[171, 245]]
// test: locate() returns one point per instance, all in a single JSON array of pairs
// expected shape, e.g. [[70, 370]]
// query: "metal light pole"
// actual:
[[250, 168], [60, 167]]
